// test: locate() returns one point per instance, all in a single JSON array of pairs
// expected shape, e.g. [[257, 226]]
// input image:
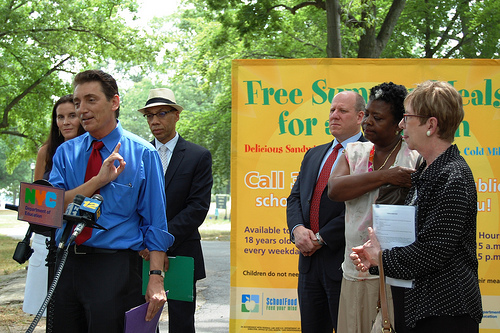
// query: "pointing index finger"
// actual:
[[117, 147]]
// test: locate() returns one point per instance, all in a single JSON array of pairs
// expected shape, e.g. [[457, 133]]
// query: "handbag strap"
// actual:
[[419, 161], [386, 323]]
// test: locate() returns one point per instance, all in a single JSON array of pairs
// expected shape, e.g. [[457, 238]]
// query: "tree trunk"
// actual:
[[334, 45], [371, 46]]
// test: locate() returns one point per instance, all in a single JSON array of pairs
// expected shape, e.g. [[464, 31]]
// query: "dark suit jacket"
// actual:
[[188, 184], [331, 214]]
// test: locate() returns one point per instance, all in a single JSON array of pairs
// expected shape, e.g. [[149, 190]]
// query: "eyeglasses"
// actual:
[[160, 115], [406, 115]]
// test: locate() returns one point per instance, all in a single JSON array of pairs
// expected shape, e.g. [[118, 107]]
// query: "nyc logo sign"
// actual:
[[40, 204]]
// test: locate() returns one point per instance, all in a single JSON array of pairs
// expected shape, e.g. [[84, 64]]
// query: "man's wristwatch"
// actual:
[[157, 272], [319, 239]]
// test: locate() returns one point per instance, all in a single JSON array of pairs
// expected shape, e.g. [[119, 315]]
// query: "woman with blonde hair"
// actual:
[[442, 261]]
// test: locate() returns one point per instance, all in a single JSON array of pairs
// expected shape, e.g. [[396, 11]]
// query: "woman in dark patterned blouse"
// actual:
[[442, 260]]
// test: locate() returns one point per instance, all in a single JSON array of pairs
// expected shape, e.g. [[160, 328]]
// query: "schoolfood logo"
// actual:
[[249, 303], [281, 304]]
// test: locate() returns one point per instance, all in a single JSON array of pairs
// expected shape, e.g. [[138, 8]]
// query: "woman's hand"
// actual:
[[366, 255], [399, 176]]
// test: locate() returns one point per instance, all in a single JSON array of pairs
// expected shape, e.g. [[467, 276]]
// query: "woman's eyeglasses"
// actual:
[[407, 115]]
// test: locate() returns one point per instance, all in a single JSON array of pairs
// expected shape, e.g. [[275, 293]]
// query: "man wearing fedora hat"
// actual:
[[188, 182]]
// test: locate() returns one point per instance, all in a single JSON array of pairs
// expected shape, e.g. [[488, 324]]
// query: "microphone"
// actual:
[[90, 210], [73, 209]]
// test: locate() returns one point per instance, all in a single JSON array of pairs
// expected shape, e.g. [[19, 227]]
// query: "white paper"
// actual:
[[394, 226]]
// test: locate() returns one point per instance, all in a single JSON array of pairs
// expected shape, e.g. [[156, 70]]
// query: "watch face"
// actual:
[[318, 238]]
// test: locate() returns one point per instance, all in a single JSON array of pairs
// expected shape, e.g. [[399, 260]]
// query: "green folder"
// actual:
[[178, 279]]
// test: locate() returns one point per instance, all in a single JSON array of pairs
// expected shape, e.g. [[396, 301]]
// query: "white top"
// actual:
[[358, 215]]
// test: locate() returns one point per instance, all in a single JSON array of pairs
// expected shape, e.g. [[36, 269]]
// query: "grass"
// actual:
[[7, 264], [12, 317], [213, 229]]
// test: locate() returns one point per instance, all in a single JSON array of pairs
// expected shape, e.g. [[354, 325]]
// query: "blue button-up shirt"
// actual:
[[133, 209]]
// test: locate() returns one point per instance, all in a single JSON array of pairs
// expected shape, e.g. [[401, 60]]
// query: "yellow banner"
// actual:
[[280, 109]]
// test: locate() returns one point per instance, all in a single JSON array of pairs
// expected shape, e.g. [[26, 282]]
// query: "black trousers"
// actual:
[[435, 324], [95, 291], [319, 297], [181, 315]]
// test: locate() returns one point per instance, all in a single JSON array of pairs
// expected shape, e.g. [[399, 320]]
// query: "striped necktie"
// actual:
[[320, 187], [163, 151]]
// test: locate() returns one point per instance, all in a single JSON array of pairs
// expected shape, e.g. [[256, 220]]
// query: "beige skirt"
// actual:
[[358, 305]]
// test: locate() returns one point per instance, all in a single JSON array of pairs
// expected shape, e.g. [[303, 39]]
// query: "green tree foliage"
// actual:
[[447, 29], [134, 98], [346, 28], [209, 34], [42, 39], [10, 181], [201, 80]]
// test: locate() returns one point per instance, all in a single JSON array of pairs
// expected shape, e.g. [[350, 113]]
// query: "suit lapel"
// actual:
[[312, 174]]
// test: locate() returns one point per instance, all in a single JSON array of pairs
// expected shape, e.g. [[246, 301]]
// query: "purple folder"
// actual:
[[135, 320]]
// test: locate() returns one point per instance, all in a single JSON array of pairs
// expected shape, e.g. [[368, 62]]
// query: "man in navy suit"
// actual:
[[322, 243], [188, 182]]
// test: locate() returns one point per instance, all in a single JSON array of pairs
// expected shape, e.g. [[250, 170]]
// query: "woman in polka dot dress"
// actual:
[[442, 260]]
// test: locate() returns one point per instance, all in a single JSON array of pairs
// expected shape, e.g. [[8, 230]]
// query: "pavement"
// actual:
[[212, 304]]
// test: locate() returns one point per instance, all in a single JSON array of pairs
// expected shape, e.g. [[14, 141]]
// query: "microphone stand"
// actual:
[[50, 290], [23, 253], [51, 264], [51, 256]]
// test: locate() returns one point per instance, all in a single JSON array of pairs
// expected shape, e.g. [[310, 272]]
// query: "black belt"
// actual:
[[82, 249]]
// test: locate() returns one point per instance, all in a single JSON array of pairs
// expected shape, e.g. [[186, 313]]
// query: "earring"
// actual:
[[428, 133]]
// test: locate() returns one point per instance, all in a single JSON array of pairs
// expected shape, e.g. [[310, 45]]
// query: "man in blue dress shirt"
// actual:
[[101, 279]]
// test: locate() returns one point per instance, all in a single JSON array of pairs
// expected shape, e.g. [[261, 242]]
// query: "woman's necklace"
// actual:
[[388, 156]]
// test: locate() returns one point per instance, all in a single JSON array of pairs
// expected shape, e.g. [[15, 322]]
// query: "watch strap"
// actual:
[[157, 272]]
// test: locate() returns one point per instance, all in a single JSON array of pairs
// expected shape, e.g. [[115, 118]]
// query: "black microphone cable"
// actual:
[[60, 267]]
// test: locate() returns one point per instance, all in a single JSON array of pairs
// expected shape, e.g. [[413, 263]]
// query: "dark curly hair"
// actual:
[[393, 94]]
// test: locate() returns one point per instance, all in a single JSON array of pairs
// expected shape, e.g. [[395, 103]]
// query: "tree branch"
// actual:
[[465, 40], [5, 120], [307, 43], [318, 4], [15, 133], [70, 28], [371, 46], [389, 23], [444, 38]]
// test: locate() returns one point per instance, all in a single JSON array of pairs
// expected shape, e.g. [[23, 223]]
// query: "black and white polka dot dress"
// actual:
[[443, 259]]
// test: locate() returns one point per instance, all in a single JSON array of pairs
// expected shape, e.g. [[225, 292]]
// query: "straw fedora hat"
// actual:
[[161, 96]]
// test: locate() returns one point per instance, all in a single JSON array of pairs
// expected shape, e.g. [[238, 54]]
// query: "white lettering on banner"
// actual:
[[270, 201], [254, 180]]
